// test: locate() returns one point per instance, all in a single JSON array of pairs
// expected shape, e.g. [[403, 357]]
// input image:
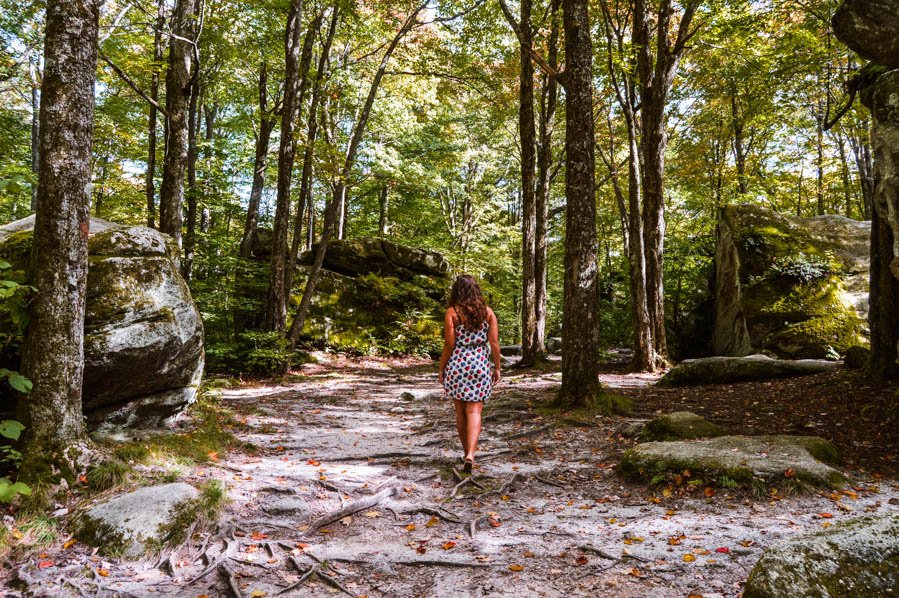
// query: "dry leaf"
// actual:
[[689, 558], [516, 567]]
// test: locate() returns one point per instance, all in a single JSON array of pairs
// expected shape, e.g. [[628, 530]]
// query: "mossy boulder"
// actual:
[[795, 287], [743, 459], [858, 558], [135, 523], [374, 295], [679, 425], [143, 336], [724, 370]]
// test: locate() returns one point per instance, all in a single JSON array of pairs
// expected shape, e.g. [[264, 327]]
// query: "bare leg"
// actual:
[[461, 425], [473, 431]]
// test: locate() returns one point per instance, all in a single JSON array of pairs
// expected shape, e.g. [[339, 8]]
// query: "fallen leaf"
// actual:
[[724, 550], [69, 544], [516, 567], [410, 527], [493, 522], [431, 522], [448, 545], [689, 558], [45, 564], [825, 515], [103, 572], [581, 560], [258, 536], [372, 514]]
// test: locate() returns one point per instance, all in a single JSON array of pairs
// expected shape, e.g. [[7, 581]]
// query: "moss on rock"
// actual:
[[678, 426]]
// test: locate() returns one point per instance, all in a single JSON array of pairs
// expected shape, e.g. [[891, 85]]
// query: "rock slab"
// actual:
[[679, 425], [723, 370], [858, 558], [740, 458], [796, 287], [133, 523], [143, 336]]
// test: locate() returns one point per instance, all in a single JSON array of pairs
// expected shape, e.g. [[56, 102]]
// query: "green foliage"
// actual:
[[108, 474]]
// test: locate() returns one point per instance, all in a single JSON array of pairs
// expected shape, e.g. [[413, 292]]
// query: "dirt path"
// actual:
[[353, 484]]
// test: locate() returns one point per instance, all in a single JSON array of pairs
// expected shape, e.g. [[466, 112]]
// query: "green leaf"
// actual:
[[8, 490], [20, 382], [10, 428], [5, 265]]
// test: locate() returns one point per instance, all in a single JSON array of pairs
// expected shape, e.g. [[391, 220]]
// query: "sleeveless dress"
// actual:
[[468, 374]]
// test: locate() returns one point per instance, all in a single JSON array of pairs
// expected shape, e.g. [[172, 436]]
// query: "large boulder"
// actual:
[[725, 370], [679, 425], [143, 336], [742, 459], [797, 287], [135, 523], [871, 28], [858, 558], [374, 295]]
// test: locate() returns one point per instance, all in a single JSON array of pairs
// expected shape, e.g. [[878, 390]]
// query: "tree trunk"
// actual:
[[190, 237], [52, 353], [260, 163], [35, 132], [158, 56], [884, 285], [330, 218], [544, 164], [580, 318], [739, 148], [177, 100], [528, 136], [382, 211], [276, 313]]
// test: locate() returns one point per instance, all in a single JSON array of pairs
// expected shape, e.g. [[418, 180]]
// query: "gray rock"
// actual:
[[133, 523], [740, 458], [870, 28], [282, 502], [510, 350], [554, 344], [679, 425], [858, 558], [797, 287], [353, 257], [720, 370], [143, 336]]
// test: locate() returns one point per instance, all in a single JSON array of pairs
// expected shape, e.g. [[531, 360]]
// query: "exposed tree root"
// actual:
[[508, 486], [352, 508], [548, 482], [318, 571], [230, 545]]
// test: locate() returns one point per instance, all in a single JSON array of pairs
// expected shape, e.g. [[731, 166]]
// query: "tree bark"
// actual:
[[528, 136], [339, 192], [190, 237], [276, 312], [35, 131], [548, 99], [580, 318], [52, 353], [382, 211], [267, 123], [158, 56], [177, 100]]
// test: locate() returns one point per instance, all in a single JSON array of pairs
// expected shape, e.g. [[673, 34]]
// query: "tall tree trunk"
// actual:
[[190, 237], [260, 163], [580, 318], [656, 74], [35, 130], [276, 312], [382, 211], [339, 194], [548, 99], [819, 162], [884, 284], [158, 56], [177, 100], [739, 148], [310, 230], [53, 353], [844, 175], [528, 136], [861, 151]]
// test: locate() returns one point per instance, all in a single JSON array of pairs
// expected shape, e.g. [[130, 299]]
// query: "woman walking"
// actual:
[[470, 343]]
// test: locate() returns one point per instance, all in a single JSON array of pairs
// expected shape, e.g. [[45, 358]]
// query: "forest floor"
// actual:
[[352, 491]]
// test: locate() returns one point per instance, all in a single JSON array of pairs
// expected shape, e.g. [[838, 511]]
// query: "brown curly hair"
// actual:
[[468, 301]]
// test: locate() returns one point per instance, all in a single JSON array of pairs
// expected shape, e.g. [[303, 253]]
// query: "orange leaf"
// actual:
[[258, 536], [69, 544], [516, 567], [825, 515], [313, 462], [213, 455], [431, 522], [689, 558], [103, 572], [789, 473], [493, 522], [448, 545], [45, 564], [709, 491], [410, 527], [581, 560], [421, 550]]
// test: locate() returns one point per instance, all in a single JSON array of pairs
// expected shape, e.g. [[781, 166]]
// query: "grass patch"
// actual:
[[28, 536], [108, 474]]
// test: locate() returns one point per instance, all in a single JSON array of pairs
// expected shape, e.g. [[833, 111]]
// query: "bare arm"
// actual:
[[493, 339], [449, 340]]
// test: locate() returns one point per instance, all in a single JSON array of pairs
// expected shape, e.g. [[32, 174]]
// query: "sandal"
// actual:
[[469, 463]]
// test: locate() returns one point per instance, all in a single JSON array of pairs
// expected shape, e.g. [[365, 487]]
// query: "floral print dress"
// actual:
[[468, 375]]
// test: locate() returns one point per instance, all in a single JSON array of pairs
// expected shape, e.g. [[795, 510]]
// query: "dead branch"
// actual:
[[534, 432]]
